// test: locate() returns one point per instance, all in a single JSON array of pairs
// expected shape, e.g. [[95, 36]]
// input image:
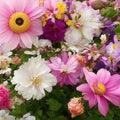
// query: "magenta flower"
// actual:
[[100, 88], [19, 22], [54, 31], [4, 98], [65, 68]]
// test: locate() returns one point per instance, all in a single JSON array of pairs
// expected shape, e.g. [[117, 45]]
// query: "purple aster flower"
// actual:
[[66, 69], [100, 65], [54, 31]]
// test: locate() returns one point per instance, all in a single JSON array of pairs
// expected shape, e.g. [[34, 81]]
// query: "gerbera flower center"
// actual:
[[19, 22], [99, 88]]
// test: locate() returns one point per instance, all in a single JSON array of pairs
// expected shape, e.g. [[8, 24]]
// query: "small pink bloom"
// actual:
[[16, 60], [100, 88], [75, 106], [4, 98], [66, 69]]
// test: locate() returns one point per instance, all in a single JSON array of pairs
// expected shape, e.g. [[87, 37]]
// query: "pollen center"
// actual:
[[99, 89], [36, 81], [19, 22]]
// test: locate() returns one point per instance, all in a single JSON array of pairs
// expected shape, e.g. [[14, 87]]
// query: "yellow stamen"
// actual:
[[99, 88], [61, 7], [58, 16], [19, 22], [69, 22], [36, 81], [114, 46]]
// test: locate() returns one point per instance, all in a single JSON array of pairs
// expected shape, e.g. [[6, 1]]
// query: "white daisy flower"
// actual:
[[33, 78]]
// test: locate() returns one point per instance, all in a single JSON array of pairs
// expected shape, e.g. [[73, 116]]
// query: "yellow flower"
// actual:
[[58, 16], [61, 7], [69, 22]]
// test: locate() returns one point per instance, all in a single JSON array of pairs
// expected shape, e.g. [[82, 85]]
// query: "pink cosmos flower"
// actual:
[[100, 88], [5, 102], [65, 68], [19, 22]]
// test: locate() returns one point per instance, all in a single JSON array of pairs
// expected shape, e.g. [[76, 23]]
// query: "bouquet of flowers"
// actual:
[[59, 59]]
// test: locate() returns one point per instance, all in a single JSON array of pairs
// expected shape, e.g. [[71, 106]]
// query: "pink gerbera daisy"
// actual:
[[100, 88], [19, 22]]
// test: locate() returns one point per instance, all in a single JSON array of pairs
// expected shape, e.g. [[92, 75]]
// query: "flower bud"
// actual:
[[75, 106]]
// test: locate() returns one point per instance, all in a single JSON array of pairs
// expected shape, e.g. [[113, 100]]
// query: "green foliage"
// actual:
[[110, 13]]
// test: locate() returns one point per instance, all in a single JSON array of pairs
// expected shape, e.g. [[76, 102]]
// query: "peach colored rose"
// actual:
[[75, 106]]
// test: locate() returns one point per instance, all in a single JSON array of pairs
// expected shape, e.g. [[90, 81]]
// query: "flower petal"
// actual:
[[91, 97], [113, 98], [103, 76], [102, 105], [114, 82], [26, 39], [90, 77]]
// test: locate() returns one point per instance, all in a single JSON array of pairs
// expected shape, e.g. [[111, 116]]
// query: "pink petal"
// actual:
[[103, 76], [30, 6], [114, 82], [113, 98], [91, 97], [85, 88], [102, 105], [6, 37], [26, 39], [20, 6], [5, 10], [13, 42], [90, 77], [36, 28], [73, 80], [36, 13], [72, 63]]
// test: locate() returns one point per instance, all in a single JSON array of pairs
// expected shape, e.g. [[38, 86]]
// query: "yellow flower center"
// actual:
[[41, 1], [19, 22], [114, 46], [99, 88], [36, 81]]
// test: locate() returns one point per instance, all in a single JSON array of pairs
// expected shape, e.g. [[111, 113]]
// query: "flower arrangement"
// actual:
[[59, 59]]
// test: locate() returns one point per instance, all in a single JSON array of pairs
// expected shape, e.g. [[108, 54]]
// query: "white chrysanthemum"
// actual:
[[86, 25], [5, 60], [32, 78], [4, 115]]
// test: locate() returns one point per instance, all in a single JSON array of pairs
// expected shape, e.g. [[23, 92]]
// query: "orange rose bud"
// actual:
[[75, 106]]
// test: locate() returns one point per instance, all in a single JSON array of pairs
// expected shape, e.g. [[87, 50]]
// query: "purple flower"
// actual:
[[54, 31]]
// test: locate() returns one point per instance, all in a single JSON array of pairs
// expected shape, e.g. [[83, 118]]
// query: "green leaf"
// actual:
[[53, 104], [117, 29], [110, 13]]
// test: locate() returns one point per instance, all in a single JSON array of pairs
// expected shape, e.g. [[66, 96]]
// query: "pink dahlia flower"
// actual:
[[19, 22], [100, 88], [65, 68], [4, 98]]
